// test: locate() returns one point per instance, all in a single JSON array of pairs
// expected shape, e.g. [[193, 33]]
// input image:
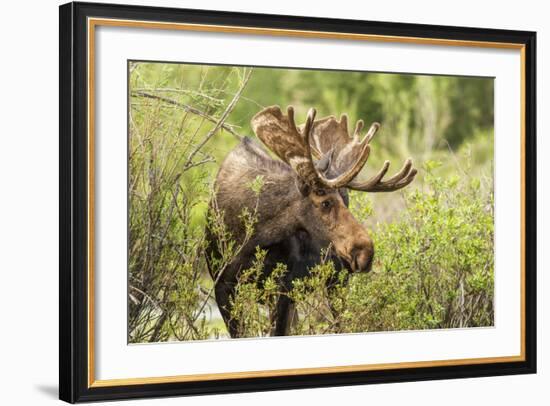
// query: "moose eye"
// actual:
[[320, 192], [326, 204]]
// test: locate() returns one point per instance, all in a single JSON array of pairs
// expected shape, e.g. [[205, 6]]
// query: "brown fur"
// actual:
[[286, 208]]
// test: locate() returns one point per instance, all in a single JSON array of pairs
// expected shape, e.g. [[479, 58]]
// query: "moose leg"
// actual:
[[224, 293], [286, 312], [284, 316]]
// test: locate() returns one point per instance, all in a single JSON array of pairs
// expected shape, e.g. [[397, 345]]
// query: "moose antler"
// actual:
[[292, 145], [325, 138], [375, 184], [331, 136], [279, 133]]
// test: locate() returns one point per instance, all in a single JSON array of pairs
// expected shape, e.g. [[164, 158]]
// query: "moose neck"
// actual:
[[277, 207], [280, 208]]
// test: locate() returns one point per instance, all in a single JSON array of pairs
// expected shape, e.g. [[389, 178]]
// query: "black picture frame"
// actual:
[[73, 255]]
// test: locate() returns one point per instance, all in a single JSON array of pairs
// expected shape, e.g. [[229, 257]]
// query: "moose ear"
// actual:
[[324, 163]]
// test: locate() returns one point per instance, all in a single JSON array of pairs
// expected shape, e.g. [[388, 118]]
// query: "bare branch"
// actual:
[[222, 119], [189, 109]]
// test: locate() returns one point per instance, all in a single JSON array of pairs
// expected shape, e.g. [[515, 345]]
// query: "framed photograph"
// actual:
[[258, 202]]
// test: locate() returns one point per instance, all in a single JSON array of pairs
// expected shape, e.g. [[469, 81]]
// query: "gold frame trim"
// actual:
[[94, 22]]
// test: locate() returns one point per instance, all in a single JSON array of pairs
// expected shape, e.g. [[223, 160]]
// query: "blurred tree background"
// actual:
[[185, 118]]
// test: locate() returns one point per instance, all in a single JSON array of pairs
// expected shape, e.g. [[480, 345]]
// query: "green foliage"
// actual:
[[419, 113], [257, 184], [170, 294], [254, 304], [434, 241], [320, 300], [434, 267]]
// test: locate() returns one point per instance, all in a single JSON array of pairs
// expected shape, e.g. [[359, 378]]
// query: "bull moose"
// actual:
[[303, 205]]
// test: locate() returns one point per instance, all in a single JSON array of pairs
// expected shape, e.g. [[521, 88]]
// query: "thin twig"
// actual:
[[221, 120], [455, 158], [244, 98], [193, 110], [204, 161], [184, 91], [159, 308]]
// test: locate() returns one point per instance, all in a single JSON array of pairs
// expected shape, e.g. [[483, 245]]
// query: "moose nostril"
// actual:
[[362, 257], [368, 268]]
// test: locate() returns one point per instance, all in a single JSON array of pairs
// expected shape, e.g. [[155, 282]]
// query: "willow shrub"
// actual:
[[435, 266], [433, 269], [171, 161]]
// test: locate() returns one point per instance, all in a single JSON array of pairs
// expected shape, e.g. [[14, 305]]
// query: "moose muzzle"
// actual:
[[362, 255]]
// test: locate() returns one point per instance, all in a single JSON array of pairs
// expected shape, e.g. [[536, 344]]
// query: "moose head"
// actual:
[[326, 161]]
